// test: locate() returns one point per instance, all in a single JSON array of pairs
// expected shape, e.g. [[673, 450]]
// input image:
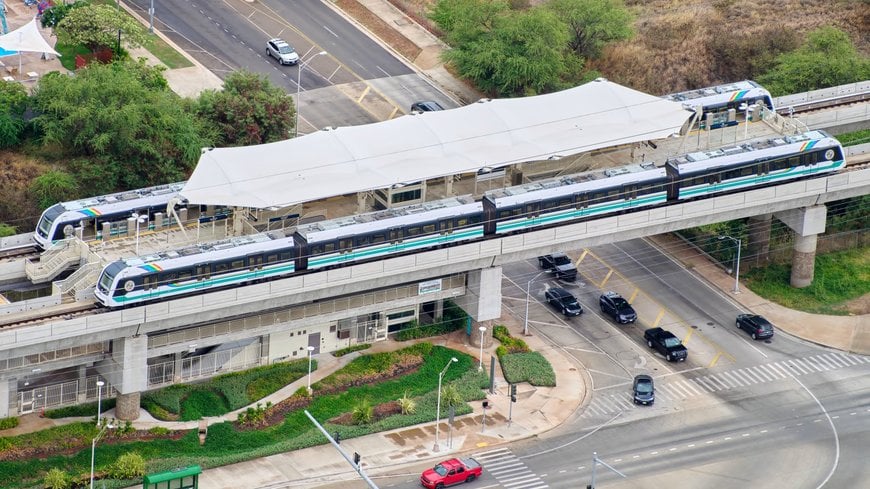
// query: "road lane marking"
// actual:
[[658, 318]]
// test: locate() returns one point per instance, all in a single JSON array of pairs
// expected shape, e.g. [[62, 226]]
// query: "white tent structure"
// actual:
[[490, 133], [26, 38]]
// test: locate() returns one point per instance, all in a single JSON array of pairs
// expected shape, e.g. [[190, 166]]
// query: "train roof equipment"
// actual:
[[720, 95]]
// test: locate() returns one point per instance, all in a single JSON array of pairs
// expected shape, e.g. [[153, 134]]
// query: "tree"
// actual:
[[593, 23], [523, 53], [53, 186], [827, 59], [123, 121], [249, 110], [465, 21], [56, 13], [98, 26], [13, 102]]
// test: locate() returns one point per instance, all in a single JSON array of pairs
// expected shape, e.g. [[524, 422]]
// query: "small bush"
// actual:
[[128, 466], [344, 351], [509, 344], [408, 405], [454, 318], [529, 367], [86, 409], [8, 423], [201, 403], [159, 431], [363, 412], [57, 479]]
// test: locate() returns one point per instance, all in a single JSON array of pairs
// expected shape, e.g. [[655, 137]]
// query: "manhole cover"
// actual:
[[694, 327]]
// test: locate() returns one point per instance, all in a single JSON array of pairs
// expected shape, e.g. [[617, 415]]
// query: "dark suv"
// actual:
[[643, 390], [757, 327], [618, 308], [426, 106], [562, 300]]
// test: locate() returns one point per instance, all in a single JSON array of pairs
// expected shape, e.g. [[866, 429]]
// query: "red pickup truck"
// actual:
[[451, 472]]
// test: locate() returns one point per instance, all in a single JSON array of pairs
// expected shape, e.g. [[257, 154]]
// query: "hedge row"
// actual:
[[453, 318], [519, 363]]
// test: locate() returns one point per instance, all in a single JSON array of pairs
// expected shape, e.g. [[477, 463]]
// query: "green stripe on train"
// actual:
[[590, 211]]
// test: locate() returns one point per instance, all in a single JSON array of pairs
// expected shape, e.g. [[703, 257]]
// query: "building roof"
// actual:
[[490, 133]]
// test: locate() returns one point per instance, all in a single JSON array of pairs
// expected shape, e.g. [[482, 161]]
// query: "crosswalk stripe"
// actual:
[[679, 388], [622, 402], [848, 358], [776, 374], [835, 360], [716, 379], [816, 364], [859, 359], [757, 372], [703, 383], [751, 372], [824, 358], [730, 379], [609, 403], [689, 387], [794, 367], [807, 365], [741, 375], [787, 371]]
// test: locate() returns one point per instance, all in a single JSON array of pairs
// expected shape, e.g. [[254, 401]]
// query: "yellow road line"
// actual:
[[688, 335], [365, 92], [659, 318], [715, 359], [606, 278], [582, 256], [634, 295]]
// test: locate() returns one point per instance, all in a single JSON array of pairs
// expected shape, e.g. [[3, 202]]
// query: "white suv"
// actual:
[[283, 52]]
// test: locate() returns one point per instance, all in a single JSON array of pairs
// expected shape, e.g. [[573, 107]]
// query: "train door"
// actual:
[[445, 226], [203, 275], [255, 265], [489, 216], [394, 235], [673, 174], [629, 193], [581, 203]]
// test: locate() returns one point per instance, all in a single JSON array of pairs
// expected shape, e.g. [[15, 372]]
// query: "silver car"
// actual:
[[283, 52]]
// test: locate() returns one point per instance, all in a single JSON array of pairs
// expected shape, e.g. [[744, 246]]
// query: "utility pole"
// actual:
[[355, 462], [596, 461]]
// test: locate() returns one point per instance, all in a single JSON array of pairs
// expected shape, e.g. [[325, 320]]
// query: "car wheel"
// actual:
[[754, 337], [470, 478], [268, 53], [439, 486], [564, 312], [668, 357], [649, 344], [737, 324]]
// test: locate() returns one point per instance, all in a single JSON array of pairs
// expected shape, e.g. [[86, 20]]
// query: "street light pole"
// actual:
[[437, 446], [528, 299], [100, 385], [94, 449], [736, 267], [482, 331], [298, 87], [310, 351], [151, 18]]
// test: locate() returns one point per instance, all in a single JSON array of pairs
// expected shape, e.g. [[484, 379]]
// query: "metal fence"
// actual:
[[62, 394], [204, 365]]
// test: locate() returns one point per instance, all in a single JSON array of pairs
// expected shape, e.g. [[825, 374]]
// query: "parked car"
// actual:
[[560, 265], [562, 300], [666, 343], [618, 308], [283, 52], [757, 327], [449, 472], [426, 106], [644, 390]]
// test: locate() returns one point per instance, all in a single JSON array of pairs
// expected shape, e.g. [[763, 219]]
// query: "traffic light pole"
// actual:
[[595, 462], [353, 462]]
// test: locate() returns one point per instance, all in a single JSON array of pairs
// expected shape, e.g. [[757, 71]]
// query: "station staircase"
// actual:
[[61, 256]]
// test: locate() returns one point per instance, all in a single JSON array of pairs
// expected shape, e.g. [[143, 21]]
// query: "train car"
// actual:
[[754, 164], [60, 220], [196, 269], [719, 99], [389, 232], [570, 198]]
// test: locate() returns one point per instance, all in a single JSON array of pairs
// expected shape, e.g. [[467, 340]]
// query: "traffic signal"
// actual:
[[337, 437], [356, 459], [513, 393]]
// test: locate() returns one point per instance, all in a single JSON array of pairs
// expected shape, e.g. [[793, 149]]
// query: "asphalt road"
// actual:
[[356, 82], [767, 414]]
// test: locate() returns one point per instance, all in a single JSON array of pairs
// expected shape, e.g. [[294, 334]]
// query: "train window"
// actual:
[[395, 235], [150, 282], [581, 200], [255, 262], [184, 275], [378, 238], [221, 267], [749, 170], [475, 219], [328, 247], [203, 271], [316, 250], [169, 277], [794, 161], [414, 231], [345, 244], [285, 256], [428, 228], [445, 226], [271, 258], [362, 240], [461, 222], [237, 264]]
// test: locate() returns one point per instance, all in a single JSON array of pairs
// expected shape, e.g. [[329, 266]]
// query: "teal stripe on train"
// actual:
[[389, 248], [789, 174], [572, 214]]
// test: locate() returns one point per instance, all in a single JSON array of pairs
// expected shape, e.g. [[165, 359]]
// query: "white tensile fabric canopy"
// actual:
[[492, 133], [26, 38]]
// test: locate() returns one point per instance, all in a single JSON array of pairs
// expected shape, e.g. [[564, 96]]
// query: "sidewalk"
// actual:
[[846, 333]]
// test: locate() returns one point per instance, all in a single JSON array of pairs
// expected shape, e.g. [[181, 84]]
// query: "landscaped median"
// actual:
[[519, 363], [372, 393]]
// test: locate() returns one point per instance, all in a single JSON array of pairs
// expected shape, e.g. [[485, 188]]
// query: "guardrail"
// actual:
[[822, 94]]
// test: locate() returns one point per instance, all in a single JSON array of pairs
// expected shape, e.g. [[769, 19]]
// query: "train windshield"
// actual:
[[47, 219], [108, 276]]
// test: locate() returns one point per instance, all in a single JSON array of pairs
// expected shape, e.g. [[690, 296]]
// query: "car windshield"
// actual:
[[672, 342], [644, 387], [285, 49], [571, 302], [561, 260], [620, 303], [440, 470], [762, 323]]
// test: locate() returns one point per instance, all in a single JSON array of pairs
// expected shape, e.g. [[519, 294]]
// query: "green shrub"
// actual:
[[159, 431], [130, 465], [509, 344], [453, 318], [529, 367], [201, 403], [407, 404], [86, 409], [57, 479], [363, 412], [344, 351], [8, 423]]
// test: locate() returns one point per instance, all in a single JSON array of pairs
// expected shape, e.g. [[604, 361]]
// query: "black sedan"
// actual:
[[562, 300], [644, 390]]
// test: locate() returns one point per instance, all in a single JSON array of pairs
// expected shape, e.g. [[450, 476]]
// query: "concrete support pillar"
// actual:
[[82, 394], [806, 223], [176, 371], [131, 226], [132, 354], [107, 231], [474, 338], [439, 310], [803, 261], [238, 222], [7, 386], [448, 185], [483, 294], [158, 221], [758, 249]]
